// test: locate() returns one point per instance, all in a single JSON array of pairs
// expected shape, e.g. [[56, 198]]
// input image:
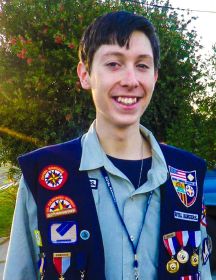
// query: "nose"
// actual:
[[129, 79]]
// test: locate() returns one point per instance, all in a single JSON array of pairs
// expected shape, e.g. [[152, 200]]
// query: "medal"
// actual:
[[195, 240], [194, 259], [61, 262], [182, 256], [170, 243], [172, 266], [182, 237]]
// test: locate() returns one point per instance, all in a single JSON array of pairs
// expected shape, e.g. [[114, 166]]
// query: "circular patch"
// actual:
[[190, 191], [53, 177], [85, 234], [59, 206]]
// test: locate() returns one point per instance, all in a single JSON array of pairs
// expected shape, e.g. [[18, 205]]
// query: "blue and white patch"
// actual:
[[63, 232], [206, 249], [186, 216], [85, 234], [93, 183]]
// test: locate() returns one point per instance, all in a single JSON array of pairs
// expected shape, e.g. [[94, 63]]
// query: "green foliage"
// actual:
[[41, 101], [196, 130]]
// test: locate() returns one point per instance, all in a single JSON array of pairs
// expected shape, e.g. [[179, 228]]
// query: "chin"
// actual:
[[126, 123]]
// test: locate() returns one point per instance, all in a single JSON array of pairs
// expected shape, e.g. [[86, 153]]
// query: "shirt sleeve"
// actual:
[[204, 268], [21, 261]]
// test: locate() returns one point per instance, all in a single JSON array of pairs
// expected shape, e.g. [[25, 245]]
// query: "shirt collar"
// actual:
[[93, 156]]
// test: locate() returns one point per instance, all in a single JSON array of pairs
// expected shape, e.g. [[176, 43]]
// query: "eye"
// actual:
[[143, 66], [113, 65]]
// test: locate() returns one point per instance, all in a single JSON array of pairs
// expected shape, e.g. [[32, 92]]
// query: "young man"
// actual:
[[114, 204]]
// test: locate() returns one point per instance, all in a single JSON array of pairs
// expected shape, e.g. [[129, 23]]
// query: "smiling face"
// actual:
[[122, 81]]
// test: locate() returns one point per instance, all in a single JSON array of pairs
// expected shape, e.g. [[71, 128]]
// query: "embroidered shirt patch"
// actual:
[[203, 220], [186, 216], [185, 184], [206, 249], [63, 232], [53, 177], [59, 206]]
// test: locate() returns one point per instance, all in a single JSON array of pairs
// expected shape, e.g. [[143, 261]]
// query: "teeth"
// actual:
[[127, 100]]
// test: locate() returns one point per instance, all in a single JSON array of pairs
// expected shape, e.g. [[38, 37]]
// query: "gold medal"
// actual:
[[61, 277], [172, 266], [182, 256], [194, 259]]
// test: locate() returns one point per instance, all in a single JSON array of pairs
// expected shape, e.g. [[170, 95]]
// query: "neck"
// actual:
[[124, 143]]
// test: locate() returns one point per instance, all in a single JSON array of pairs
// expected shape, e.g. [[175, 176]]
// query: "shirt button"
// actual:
[[132, 238]]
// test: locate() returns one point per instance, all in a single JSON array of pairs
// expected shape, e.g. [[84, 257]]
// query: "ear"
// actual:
[[156, 75], [83, 75]]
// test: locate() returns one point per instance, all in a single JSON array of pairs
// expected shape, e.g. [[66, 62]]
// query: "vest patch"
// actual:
[[59, 206], [93, 183], [53, 177], [185, 184], [186, 216], [38, 237], [203, 221], [63, 232], [206, 249]]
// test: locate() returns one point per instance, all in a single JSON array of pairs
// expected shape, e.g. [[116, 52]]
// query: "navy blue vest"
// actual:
[[179, 212]]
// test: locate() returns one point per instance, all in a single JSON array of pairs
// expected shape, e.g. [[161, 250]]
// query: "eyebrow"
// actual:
[[119, 54]]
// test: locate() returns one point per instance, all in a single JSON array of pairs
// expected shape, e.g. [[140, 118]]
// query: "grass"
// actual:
[[7, 203]]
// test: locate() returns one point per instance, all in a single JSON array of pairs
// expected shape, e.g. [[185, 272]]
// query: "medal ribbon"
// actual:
[[182, 237], [194, 277], [203, 216], [110, 188], [41, 264], [195, 238], [171, 245], [61, 263]]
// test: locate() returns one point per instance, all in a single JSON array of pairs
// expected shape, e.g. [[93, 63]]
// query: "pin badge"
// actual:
[[93, 183], [85, 234]]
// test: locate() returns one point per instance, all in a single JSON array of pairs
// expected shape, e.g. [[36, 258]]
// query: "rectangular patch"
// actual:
[[63, 232], [93, 183], [186, 216], [38, 237]]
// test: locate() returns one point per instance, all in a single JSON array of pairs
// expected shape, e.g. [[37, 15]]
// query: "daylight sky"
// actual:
[[206, 22]]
